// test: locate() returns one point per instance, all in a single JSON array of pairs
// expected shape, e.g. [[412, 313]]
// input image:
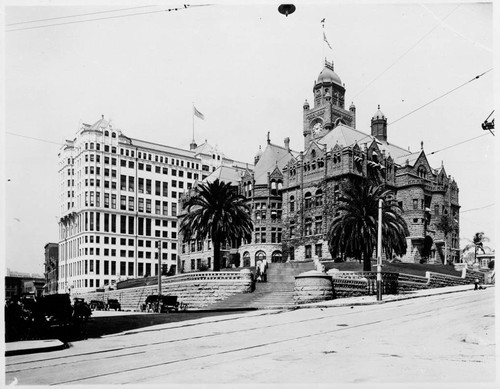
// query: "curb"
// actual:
[[33, 346]]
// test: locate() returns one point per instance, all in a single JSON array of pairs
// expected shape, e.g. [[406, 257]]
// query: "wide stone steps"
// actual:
[[277, 292]]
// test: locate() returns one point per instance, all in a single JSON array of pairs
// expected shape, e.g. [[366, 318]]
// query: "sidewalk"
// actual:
[[372, 300]]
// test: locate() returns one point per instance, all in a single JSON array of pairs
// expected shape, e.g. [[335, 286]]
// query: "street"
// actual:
[[444, 339]]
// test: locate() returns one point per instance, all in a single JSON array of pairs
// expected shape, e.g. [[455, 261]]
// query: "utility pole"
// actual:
[[158, 244], [379, 251]]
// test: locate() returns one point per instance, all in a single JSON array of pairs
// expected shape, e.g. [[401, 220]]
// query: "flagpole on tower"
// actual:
[[323, 45]]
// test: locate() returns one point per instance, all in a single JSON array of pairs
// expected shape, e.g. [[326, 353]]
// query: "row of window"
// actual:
[[107, 267], [311, 227]]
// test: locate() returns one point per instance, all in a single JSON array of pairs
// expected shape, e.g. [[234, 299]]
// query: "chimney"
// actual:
[[287, 143]]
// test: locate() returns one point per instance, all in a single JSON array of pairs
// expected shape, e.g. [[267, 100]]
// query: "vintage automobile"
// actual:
[[167, 304], [97, 305], [114, 304]]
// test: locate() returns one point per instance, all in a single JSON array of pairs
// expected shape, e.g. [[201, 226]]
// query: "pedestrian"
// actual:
[[263, 270], [258, 266], [476, 284]]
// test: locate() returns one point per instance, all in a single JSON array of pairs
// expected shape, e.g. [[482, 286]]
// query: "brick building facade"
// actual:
[[293, 194]]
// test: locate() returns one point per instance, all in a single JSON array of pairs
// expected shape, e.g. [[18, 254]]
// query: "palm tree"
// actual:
[[477, 243], [216, 211], [353, 231], [447, 225]]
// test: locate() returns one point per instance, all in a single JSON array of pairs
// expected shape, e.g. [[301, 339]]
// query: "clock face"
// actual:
[[317, 128]]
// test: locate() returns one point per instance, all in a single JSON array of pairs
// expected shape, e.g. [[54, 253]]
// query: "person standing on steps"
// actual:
[[263, 270], [258, 275]]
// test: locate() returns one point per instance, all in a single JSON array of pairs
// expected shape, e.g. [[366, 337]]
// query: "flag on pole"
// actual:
[[326, 40], [198, 113]]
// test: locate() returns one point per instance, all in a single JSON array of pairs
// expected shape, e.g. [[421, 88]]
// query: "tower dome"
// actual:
[[328, 75], [378, 115]]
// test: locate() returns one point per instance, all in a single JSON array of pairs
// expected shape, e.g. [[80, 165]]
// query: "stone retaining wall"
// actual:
[[197, 290], [351, 283]]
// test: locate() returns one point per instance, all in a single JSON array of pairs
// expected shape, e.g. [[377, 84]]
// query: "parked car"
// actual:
[[97, 305], [167, 303], [114, 304]]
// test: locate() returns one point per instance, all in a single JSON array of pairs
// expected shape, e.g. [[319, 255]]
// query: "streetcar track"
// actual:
[[235, 350], [349, 313]]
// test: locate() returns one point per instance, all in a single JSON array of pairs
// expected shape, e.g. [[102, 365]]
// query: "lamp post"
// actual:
[[379, 251], [158, 243]]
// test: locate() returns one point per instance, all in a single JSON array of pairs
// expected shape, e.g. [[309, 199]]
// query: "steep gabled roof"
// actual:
[[344, 135], [226, 174], [273, 156]]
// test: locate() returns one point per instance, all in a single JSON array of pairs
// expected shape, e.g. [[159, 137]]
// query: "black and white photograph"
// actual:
[[249, 193]]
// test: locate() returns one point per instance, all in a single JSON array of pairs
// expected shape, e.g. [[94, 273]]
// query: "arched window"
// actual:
[[106, 133], [292, 203], [274, 188], [246, 259], [319, 198], [113, 135], [276, 256], [308, 202], [313, 154], [260, 255], [422, 172]]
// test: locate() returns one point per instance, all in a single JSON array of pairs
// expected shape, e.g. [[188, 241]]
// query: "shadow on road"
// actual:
[[106, 325]]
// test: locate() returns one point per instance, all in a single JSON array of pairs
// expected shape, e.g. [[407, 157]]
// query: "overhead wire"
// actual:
[[185, 6], [477, 209], [78, 15], [31, 137], [440, 97], [406, 52]]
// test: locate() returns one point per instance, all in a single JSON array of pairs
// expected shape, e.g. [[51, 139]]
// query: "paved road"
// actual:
[[444, 338]]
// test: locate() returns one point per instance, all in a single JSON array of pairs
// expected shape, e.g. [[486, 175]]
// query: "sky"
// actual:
[[248, 69]]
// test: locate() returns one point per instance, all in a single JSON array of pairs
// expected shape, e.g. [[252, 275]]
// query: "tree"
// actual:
[[216, 211], [446, 225], [353, 231], [477, 243]]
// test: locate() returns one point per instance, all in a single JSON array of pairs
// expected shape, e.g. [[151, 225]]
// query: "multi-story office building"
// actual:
[[119, 204], [51, 254]]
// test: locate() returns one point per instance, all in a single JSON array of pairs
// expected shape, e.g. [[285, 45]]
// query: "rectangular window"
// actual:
[[113, 268], [141, 205], [157, 188], [318, 250], [141, 185], [174, 209], [165, 189], [131, 268], [415, 203], [131, 225], [130, 203], [131, 184], [308, 251], [148, 186], [148, 206], [158, 207], [123, 203], [123, 224], [106, 267]]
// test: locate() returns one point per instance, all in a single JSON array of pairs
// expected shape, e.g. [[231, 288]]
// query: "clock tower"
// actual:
[[328, 111]]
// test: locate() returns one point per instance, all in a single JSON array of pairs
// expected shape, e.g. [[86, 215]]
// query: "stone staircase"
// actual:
[[276, 292]]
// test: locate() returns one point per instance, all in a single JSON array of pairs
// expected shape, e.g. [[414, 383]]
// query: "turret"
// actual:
[[379, 125]]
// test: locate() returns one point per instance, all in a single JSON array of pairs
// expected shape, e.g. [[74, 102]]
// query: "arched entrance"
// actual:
[[276, 256], [246, 259], [260, 255]]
